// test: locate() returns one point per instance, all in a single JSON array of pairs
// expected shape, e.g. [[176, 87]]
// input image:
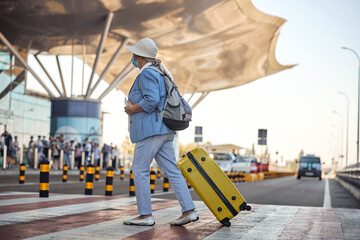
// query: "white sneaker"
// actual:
[[140, 222], [192, 217]]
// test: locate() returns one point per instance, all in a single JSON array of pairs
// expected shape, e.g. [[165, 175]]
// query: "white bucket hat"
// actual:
[[145, 47]]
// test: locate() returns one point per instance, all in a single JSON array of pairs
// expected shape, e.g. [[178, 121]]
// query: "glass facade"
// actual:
[[30, 116]]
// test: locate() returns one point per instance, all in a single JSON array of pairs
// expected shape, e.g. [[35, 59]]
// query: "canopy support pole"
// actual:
[[119, 78], [99, 51], [107, 68], [24, 63]]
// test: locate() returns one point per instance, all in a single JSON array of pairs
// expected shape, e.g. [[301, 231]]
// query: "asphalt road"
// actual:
[[277, 191]]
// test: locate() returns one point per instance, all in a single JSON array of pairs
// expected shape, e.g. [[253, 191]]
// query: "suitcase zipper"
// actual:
[[212, 184]]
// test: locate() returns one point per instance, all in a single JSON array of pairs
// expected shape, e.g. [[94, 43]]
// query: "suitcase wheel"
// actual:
[[226, 222], [244, 206]]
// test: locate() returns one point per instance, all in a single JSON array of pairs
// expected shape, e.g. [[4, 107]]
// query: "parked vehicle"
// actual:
[[309, 166], [242, 164], [225, 160]]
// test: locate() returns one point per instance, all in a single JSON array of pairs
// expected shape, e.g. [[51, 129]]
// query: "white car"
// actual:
[[225, 160], [245, 164]]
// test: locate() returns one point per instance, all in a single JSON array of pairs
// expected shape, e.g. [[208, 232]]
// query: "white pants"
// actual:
[[161, 148]]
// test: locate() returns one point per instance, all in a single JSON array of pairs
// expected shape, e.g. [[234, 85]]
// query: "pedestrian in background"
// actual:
[[97, 151], [87, 150], [67, 154], [56, 152], [78, 151], [30, 152], [16, 149], [153, 139], [9, 146]]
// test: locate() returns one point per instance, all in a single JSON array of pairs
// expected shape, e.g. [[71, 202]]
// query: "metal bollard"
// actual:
[[109, 181], [92, 159], [152, 180], [44, 179], [122, 175], [132, 184], [21, 155], [65, 173], [72, 160], [116, 162], [166, 185], [35, 158], [82, 169], [89, 185], [101, 160], [158, 173], [97, 173], [22, 173], [61, 159], [4, 157], [82, 159]]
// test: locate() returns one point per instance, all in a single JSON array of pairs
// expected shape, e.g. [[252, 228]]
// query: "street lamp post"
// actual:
[[357, 141], [347, 127], [341, 135], [338, 152]]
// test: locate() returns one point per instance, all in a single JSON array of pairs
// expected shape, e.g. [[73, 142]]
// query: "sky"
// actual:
[[296, 105]]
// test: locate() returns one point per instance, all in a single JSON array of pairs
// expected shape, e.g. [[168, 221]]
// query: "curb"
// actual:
[[351, 188]]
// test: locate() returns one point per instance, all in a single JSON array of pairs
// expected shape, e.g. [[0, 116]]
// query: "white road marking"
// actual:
[[327, 198]]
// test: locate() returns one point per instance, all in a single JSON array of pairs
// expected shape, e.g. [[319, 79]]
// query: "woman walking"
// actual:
[[153, 139]]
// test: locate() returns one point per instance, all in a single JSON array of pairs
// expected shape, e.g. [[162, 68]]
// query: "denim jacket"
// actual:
[[152, 94]]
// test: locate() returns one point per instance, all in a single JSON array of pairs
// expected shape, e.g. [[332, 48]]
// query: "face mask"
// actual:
[[135, 63]]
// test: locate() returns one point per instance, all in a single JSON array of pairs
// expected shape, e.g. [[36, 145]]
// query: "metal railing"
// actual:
[[351, 175]]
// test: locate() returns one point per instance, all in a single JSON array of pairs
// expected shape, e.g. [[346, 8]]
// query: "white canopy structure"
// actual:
[[208, 45]]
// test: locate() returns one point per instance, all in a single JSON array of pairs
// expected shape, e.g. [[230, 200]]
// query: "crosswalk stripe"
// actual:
[[71, 221], [61, 201], [115, 229], [16, 196], [14, 193], [34, 199], [38, 214]]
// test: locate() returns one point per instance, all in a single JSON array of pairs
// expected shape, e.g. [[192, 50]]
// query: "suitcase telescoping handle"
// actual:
[[231, 208]]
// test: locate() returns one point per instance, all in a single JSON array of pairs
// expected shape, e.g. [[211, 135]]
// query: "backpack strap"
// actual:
[[162, 74]]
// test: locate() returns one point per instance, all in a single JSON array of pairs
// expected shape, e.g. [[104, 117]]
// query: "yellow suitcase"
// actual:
[[212, 185]]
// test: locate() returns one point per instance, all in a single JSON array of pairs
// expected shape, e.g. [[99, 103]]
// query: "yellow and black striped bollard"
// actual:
[[97, 173], [132, 184], [227, 173], [122, 175], [109, 181], [158, 174], [232, 176], [242, 177], [44, 179], [152, 180], [22, 173], [82, 169], [166, 184], [65, 175], [89, 185], [236, 176]]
